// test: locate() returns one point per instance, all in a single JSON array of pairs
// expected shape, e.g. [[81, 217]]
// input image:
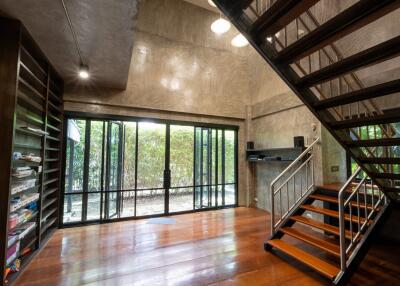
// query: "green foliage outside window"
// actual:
[[151, 156]]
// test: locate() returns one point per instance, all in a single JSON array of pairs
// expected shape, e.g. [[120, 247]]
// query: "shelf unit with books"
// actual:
[[31, 116]]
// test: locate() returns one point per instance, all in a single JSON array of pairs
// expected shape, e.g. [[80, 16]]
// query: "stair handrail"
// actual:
[[368, 212], [306, 158]]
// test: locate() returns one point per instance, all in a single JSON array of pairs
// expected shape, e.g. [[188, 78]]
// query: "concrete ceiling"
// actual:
[[203, 4], [104, 29]]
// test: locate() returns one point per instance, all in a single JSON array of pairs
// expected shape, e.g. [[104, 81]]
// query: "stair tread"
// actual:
[[389, 176], [359, 95], [380, 160], [320, 225], [280, 14], [316, 263], [374, 55], [334, 200], [364, 121], [331, 213], [338, 186], [312, 240], [344, 23], [373, 142]]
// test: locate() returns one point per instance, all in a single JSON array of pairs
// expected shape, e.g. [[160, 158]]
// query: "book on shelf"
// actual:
[[12, 253], [21, 217], [22, 172], [27, 157], [21, 201], [20, 232], [35, 130], [20, 186]]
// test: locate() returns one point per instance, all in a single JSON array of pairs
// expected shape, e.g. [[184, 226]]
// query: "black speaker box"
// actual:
[[298, 141]]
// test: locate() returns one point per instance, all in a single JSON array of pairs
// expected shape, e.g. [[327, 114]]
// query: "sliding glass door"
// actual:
[[120, 169], [151, 165], [181, 160], [113, 170], [215, 167]]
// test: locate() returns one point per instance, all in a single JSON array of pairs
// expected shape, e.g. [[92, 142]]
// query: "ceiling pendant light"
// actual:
[[84, 72], [211, 2], [239, 41], [220, 26], [83, 69]]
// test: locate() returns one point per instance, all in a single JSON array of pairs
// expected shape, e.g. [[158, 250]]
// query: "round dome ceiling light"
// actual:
[[220, 26], [239, 41]]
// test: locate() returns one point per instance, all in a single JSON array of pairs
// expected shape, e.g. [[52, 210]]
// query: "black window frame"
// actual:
[[166, 188]]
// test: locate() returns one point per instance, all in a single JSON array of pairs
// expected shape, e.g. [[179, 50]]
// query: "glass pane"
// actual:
[[205, 158], [129, 156], [151, 158], [220, 162], [95, 156], [220, 195], [180, 199], [181, 156], [213, 156], [93, 208], [75, 156], [198, 197], [198, 157], [230, 195], [128, 204], [229, 157], [111, 199], [72, 208], [115, 166], [150, 202]]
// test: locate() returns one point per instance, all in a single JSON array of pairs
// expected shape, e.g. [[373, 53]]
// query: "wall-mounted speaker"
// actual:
[[298, 141], [250, 145]]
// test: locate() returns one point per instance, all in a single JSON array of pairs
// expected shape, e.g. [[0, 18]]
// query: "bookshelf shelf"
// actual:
[[31, 116]]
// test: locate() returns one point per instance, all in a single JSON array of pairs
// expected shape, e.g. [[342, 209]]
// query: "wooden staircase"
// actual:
[[312, 64], [316, 243], [305, 51]]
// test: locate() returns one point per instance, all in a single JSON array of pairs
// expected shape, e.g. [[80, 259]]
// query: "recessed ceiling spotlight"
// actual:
[[239, 41], [220, 26], [84, 72], [211, 2], [300, 32]]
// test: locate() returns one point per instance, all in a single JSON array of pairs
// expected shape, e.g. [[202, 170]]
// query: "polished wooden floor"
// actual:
[[208, 248]]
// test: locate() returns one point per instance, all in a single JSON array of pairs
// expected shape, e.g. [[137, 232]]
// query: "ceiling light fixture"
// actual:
[[211, 2], [84, 68], [84, 72], [239, 41], [220, 26]]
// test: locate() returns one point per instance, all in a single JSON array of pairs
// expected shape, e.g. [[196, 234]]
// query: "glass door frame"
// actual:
[[106, 191], [167, 171]]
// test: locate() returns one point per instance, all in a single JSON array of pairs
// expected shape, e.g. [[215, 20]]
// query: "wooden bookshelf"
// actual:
[[31, 116]]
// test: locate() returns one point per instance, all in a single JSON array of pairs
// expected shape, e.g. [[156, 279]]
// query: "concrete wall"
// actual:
[[180, 70], [178, 64]]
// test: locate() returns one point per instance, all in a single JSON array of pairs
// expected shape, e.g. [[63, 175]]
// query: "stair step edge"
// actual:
[[328, 270], [329, 212], [314, 241]]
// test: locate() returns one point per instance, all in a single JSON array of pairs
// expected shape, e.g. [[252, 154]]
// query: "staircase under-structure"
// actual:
[[305, 49]]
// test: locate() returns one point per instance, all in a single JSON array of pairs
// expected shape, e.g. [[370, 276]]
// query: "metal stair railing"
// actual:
[[292, 187], [364, 204]]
